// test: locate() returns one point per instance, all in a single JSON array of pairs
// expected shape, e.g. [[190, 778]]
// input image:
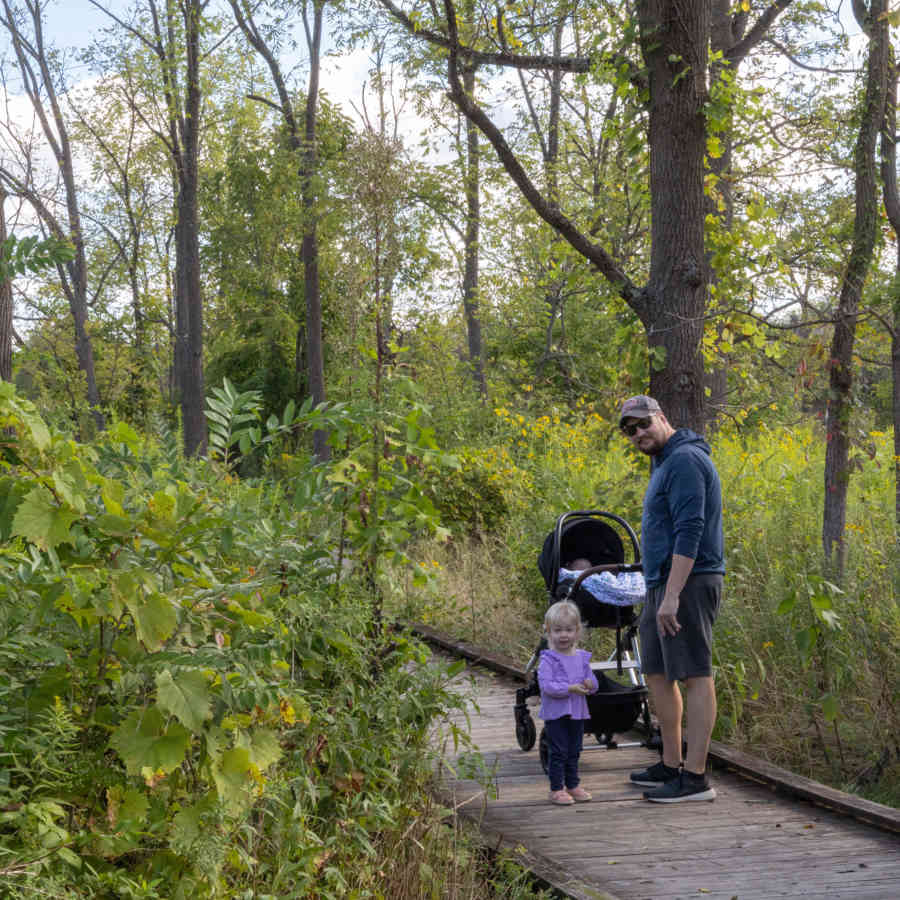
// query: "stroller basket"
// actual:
[[616, 705]]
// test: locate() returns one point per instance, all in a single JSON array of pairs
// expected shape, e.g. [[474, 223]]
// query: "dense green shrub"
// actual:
[[193, 704]]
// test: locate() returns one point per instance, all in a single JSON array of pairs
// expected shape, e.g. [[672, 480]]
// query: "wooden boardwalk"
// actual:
[[751, 843]]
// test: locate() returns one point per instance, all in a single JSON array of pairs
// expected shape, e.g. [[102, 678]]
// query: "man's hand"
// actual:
[[666, 616], [666, 621], [577, 688]]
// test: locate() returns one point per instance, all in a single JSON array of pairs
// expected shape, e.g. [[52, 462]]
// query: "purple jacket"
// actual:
[[556, 672]]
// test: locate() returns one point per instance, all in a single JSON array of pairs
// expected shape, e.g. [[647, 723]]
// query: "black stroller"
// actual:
[[594, 535]]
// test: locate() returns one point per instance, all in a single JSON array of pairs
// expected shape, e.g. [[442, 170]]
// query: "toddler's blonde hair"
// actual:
[[562, 610]]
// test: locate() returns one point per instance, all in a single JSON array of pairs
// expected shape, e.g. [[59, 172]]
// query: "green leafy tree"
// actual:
[[304, 141], [61, 216], [662, 54]]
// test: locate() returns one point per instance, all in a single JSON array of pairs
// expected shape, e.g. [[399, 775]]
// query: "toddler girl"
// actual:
[[565, 678]]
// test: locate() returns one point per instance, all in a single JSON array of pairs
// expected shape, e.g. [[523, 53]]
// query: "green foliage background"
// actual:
[[195, 703]]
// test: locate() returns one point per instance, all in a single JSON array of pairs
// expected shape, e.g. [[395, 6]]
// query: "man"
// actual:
[[684, 567]]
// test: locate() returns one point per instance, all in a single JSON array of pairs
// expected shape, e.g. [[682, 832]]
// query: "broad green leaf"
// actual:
[[113, 493], [830, 707], [216, 739], [249, 616], [787, 604], [123, 433], [70, 857], [71, 485], [263, 747], [23, 410], [144, 740], [455, 668], [12, 490], [185, 696], [806, 639], [154, 617], [187, 827], [232, 775], [134, 807], [112, 524], [39, 520]]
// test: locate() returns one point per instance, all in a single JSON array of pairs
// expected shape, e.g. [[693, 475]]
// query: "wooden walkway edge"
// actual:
[[769, 834]]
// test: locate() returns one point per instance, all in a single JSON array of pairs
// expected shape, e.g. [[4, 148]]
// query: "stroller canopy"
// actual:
[[583, 537], [589, 535]]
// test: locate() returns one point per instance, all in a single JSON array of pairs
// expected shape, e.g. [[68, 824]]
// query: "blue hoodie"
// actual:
[[682, 510]]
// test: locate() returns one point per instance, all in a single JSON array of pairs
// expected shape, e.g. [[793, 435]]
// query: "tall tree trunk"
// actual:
[[188, 295], [6, 305], [673, 37], [309, 173], [189, 307], [41, 87], [892, 208], [837, 447], [471, 301], [178, 55]]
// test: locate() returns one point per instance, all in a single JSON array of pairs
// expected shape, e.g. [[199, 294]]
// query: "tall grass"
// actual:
[[439, 856], [806, 669]]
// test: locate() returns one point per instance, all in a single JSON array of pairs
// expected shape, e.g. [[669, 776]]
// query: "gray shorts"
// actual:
[[687, 654]]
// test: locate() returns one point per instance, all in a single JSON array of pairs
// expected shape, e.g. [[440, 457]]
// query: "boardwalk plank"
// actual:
[[750, 843]]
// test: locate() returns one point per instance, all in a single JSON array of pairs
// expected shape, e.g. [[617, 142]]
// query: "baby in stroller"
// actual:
[[606, 590]]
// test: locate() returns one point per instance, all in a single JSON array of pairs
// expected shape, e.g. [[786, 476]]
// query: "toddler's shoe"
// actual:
[[561, 798], [580, 795]]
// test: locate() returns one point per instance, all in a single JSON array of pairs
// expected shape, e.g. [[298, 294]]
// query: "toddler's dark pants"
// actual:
[[564, 737]]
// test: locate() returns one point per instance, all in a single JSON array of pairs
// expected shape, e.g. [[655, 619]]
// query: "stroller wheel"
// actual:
[[544, 751], [525, 731]]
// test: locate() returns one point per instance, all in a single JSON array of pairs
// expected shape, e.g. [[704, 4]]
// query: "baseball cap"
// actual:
[[638, 407]]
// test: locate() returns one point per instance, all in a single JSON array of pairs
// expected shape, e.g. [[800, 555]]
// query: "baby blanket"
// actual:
[[624, 589]]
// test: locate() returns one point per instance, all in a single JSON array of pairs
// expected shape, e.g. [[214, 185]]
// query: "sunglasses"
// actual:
[[632, 428]]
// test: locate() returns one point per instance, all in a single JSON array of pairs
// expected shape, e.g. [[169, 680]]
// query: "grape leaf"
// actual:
[[185, 696], [144, 740]]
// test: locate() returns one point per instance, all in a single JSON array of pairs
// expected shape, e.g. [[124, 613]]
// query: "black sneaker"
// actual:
[[654, 776], [684, 787]]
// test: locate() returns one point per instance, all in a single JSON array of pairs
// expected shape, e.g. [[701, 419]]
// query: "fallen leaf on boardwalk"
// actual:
[[612, 862], [703, 890], [809, 826]]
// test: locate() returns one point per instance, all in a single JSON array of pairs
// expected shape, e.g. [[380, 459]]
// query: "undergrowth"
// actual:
[[198, 698]]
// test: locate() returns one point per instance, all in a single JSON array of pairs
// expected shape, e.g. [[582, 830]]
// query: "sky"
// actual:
[[73, 24]]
